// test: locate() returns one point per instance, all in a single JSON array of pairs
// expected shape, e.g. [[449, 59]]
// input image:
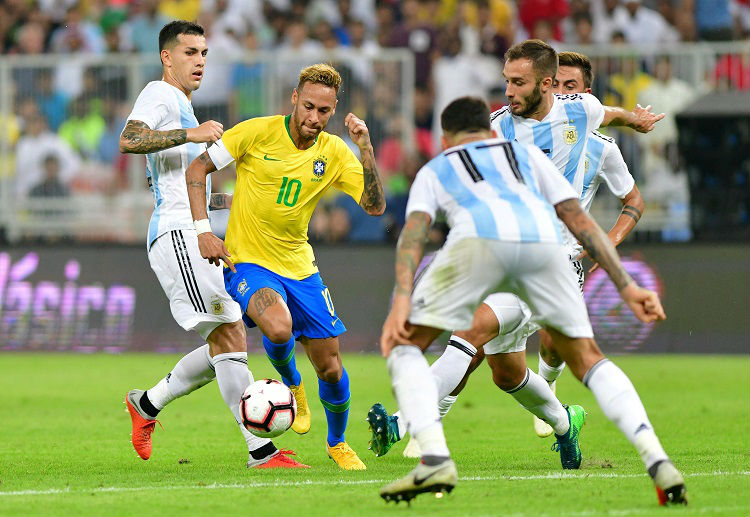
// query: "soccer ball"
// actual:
[[267, 408]]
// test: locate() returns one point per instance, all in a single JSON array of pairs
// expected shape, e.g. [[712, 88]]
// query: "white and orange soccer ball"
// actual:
[[267, 408]]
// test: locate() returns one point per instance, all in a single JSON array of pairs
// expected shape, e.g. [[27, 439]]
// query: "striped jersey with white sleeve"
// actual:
[[492, 189], [604, 163], [561, 134], [163, 107]]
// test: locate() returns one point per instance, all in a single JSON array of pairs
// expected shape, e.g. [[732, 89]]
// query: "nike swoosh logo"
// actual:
[[418, 481], [333, 323], [268, 158]]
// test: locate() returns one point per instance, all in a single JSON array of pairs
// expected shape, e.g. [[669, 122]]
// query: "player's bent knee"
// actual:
[[507, 380], [331, 372], [278, 334], [228, 337]]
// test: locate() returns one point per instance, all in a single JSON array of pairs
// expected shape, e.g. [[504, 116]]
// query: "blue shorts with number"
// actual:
[[309, 302]]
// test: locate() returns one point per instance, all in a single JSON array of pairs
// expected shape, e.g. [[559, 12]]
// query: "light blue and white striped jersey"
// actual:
[[562, 134], [163, 107], [492, 189], [604, 163]]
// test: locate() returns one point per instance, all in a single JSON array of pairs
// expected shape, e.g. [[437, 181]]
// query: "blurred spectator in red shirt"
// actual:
[[551, 11]]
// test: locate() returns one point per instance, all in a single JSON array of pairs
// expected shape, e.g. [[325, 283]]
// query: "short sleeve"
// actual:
[[219, 154], [615, 172], [350, 179], [152, 106], [423, 194], [552, 185], [594, 110], [237, 140]]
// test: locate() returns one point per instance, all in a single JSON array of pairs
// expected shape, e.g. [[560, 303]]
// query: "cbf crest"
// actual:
[[570, 134], [319, 166]]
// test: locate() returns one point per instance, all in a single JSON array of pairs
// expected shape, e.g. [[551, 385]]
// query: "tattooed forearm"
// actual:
[[594, 241], [218, 202], [373, 198], [410, 250], [137, 138], [263, 299], [195, 177], [632, 211]]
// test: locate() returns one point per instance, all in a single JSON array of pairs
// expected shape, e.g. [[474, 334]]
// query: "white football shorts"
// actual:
[[194, 286], [465, 272]]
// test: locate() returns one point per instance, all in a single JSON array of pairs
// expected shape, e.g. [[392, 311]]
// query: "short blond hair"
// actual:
[[320, 73]]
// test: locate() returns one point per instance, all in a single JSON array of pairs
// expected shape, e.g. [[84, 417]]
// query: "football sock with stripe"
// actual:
[[549, 373], [335, 397], [190, 373], [233, 378], [417, 396], [622, 405], [535, 395], [448, 371], [282, 358]]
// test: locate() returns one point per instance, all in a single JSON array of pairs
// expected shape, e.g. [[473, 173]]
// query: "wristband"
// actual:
[[202, 226]]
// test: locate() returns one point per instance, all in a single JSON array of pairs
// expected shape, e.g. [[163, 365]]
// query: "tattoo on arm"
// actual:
[[410, 250], [137, 138], [263, 299], [217, 201], [373, 198], [594, 241], [195, 177], [632, 211]]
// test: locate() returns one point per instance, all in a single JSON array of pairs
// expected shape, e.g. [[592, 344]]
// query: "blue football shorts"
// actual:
[[309, 301]]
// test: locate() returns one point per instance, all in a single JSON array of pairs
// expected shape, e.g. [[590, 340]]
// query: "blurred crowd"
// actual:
[[66, 119]]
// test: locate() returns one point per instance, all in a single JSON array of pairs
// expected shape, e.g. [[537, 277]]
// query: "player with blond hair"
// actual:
[[284, 165]]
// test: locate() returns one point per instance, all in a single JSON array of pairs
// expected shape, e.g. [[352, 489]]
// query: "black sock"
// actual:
[[147, 406], [431, 461], [263, 452]]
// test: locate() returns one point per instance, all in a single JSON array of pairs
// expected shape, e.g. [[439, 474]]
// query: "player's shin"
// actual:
[[282, 358], [622, 405], [335, 397], [449, 369], [417, 397], [233, 378], [190, 373], [535, 395]]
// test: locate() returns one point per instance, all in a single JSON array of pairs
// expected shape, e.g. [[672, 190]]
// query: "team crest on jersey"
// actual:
[[217, 304], [319, 166], [570, 134], [242, 287]]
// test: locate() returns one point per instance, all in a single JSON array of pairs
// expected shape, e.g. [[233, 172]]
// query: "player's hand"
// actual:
[[644, 303], [358, 131], [396, 326], [213, 249], [208, 132], [644, 119]]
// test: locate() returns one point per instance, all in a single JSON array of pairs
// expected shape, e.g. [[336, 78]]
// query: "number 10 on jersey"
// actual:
[[289, 192]]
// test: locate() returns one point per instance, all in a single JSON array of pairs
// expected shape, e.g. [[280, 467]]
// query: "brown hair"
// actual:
[[320, 73], [580, 61], [543, 57]]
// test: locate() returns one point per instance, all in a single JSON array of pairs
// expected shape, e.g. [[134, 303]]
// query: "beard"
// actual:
[[531, 102], [304, 137]]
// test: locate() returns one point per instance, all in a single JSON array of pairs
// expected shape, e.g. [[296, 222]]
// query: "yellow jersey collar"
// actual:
[[287, 118]]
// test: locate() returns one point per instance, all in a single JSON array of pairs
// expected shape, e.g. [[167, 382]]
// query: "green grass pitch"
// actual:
[[65, 449]]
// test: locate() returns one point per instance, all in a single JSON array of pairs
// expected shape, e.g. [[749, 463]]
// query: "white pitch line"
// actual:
[[310, 482]]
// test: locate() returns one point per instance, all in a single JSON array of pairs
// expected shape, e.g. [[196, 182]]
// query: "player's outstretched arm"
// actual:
[[373, 198], [138, 138], [641, 119], [409, 252], [644, 303], [632, 210], [212, 248]]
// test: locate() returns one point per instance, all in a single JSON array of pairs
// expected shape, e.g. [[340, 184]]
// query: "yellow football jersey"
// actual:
[[277, 189]]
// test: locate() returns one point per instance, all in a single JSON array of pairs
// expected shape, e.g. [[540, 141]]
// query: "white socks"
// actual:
[[535, 395], [447, 370], [549, 373], [417, 397], [233, 378], [190, 373], [622, 405]]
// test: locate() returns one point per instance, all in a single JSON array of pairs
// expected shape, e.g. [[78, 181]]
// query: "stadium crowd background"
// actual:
[[62, 126]]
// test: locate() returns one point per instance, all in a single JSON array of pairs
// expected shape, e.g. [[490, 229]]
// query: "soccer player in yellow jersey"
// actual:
[[284, 165]]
